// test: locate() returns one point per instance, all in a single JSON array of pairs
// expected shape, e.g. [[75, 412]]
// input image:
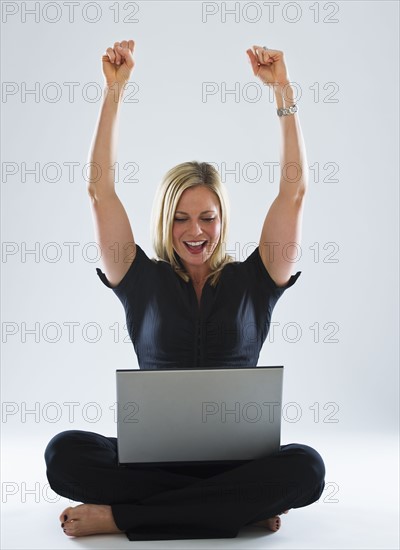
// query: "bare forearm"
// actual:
[[103, 151], [293, 158]]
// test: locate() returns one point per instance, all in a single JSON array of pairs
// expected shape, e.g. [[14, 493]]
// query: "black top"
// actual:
[[168, 329]]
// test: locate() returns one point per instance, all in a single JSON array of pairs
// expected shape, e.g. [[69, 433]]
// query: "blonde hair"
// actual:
[[174, 183]]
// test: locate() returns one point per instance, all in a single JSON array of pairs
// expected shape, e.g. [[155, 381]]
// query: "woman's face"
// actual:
[[197, 220]]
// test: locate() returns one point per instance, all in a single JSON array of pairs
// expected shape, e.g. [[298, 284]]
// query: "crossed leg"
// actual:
[[157, 503]]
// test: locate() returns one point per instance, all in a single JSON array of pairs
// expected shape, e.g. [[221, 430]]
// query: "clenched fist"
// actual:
[[269, 66], [118, 63]]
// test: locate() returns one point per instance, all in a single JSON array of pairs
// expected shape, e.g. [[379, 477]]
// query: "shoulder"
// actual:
[[252, 270], [141, 269]]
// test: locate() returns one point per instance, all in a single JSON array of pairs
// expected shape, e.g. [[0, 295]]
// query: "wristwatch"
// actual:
[[287, 111]]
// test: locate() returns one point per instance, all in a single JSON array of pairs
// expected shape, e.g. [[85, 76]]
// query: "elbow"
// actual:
[[299, 198], [294, 181], [91, 189], [92, 192], [98, 194], [295, 195], [301, 192], [301, 185]]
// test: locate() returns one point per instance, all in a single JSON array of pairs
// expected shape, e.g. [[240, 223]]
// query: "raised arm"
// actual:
[[281, 233], [112, 228]]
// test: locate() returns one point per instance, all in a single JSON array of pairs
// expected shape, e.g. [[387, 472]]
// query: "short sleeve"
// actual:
[[258, 266], [132, 275]]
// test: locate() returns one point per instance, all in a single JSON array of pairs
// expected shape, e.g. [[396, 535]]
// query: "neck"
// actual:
[[198, 275]]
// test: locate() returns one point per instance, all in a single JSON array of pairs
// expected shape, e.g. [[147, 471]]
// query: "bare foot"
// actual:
[[88, 519], [272, 524]]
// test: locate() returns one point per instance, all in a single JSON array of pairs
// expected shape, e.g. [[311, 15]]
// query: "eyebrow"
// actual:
[[204, 212]]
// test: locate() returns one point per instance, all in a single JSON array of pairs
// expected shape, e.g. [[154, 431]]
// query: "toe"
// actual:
[[64, 514], [274, 523], [71, 527]]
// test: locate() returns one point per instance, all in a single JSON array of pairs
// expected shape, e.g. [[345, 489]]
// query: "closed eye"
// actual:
[[203, 219]]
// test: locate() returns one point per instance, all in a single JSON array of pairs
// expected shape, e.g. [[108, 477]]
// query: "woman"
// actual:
[[190, 308]]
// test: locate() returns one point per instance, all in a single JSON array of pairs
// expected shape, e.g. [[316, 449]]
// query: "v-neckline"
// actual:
[[198, 298]]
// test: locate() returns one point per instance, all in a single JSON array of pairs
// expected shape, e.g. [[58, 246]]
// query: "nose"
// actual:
[[195, 228]]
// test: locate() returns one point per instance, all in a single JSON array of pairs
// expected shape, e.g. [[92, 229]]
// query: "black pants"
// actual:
[[182, 502]]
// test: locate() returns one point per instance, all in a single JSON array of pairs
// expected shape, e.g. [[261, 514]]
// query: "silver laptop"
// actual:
[[182, 416]]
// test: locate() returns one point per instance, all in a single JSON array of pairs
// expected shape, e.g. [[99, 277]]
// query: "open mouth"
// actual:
[[195, 247]]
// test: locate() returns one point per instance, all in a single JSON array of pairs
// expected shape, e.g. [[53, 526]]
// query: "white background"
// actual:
[[352, 122]]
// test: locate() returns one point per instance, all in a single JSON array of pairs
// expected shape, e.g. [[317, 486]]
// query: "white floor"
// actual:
[[358, 509]]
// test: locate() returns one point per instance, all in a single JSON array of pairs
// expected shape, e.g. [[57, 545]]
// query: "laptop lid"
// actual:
[[198, 415]]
